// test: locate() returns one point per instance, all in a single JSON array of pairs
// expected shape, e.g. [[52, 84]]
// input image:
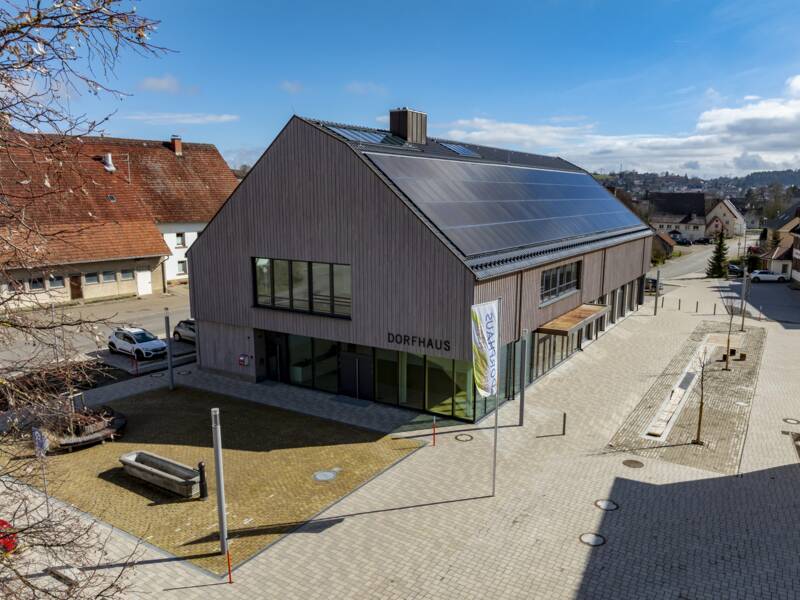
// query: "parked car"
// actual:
[[650, 284], [703, 240], [682, 241], [138, 342], [185, 331], [757, 276], [734, 270]]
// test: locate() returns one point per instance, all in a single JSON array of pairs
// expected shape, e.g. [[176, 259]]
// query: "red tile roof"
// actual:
[[667, 240], [102, 215]]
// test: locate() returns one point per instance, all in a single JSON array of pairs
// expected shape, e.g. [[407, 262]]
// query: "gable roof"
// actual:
[[783, 219], [731, 207], [498, 210], [666, 239], [75, 210], [678, 203]]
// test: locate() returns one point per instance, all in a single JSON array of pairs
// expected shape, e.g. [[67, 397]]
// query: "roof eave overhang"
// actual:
[[527, 258]]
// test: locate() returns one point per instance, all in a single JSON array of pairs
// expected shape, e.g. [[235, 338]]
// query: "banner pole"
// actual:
[[497, 398]]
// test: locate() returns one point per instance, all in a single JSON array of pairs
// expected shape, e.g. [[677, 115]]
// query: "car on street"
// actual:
[[734, 270], [137, 342], [682, 241], [703, 240], [650, 284], [185, 331], [758, 276]]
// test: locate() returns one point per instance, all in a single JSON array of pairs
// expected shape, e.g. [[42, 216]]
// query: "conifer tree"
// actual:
[[719, 259]]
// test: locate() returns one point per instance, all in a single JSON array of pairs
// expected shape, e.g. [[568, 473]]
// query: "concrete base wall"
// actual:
[[219, 347]]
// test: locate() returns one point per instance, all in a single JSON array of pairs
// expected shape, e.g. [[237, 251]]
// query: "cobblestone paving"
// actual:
[[270, 457], [724, 423], [426, 530]]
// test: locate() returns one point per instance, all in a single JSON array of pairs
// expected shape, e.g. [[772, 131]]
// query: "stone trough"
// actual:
[[162, 472]]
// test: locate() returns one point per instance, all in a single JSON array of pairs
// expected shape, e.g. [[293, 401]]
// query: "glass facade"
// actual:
[[433, 384], [303, 286]]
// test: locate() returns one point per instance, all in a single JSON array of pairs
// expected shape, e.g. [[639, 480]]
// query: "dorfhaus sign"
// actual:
[[416, 341]]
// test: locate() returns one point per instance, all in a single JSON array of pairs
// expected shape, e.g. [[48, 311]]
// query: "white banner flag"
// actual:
[[485, 347]]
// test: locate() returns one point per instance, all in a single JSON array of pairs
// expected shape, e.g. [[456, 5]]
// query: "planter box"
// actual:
[[162, 473]]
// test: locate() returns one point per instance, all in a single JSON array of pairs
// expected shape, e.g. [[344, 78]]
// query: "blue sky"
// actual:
[[698, 86]]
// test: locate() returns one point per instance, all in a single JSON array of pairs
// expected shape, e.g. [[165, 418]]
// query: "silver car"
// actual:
[[185, 331]]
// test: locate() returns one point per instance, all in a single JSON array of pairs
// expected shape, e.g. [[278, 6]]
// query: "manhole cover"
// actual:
[[156, 375], [325, 475], [593, 539], [633, 464], [606, 504], [463, 437], [741, 403], [184, 372], [792, 421]]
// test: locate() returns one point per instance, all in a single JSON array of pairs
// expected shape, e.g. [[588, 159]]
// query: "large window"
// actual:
[[560, 281], [320, 288]]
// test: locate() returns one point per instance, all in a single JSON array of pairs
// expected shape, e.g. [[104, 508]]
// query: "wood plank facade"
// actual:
[[311, 197]]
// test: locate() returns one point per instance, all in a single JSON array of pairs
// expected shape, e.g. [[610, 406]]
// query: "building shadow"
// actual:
[[774, 301], [724, 537]]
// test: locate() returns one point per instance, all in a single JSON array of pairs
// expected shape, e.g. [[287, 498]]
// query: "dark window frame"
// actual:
[[561, 281], [312, 309]]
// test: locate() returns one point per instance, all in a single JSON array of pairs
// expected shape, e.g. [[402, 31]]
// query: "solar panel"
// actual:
[[484, 208], [369, 137], [459, 149]]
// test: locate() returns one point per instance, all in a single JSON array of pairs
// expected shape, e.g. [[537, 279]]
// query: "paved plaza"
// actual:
[[426, 528]]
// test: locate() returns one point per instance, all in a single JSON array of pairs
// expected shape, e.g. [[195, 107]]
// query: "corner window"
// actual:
[[91, 278], [126, 274], [109, 276], [180, 240], [183, 267], [560, 281], [299, 285]]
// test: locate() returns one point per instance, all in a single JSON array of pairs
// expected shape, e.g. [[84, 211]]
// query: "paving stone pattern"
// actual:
[[724, 424], [426, 530]]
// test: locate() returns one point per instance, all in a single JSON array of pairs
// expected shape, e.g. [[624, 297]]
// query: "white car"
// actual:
[[757, 276], [138, 342]]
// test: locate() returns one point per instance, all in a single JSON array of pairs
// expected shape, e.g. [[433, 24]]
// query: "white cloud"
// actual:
[[567, 118], [365, 88], [166, 84], [750, 98], [243, 155], [169, 118], [793, 85], [383, 119], [291, 87], [760, 134]]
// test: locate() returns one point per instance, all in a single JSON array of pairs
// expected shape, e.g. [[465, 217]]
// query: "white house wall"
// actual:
[[170, 232]]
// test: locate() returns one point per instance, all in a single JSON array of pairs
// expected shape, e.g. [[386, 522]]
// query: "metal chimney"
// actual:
[[108, 163], [409, 124]]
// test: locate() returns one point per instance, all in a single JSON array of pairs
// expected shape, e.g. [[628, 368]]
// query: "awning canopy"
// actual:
[[574, 319]]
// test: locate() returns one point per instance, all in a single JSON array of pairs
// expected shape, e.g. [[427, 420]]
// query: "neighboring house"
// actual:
[[725, 217], [796, 256], [348, 259], [783, 224], [678, 213], [779, 259], [663, 245], [115, 219]]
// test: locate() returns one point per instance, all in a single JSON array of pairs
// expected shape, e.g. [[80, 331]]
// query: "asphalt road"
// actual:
[[147, 312], [694, 260]]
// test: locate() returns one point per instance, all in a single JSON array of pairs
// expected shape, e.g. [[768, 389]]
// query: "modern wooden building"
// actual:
[[348, 259]]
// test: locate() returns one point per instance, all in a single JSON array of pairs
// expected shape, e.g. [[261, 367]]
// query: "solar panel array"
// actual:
[[369, 137], [461, 150], [484, 208]]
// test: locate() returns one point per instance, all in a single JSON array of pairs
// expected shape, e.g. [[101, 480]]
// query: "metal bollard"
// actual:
[[760, 312], [662, 301], [697, 306], [201, 466], [679, 303], [715, 308]]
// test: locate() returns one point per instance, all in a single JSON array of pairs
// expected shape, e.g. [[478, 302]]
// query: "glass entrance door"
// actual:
[[356, 375], [276, 355]]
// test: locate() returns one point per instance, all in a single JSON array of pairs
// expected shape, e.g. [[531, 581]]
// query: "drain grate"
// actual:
[[606, 504], [184, 372], [792, 421], [633, 464], [742, 403], [156, 375], [592, 539], [329, 475], [463, 437]]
